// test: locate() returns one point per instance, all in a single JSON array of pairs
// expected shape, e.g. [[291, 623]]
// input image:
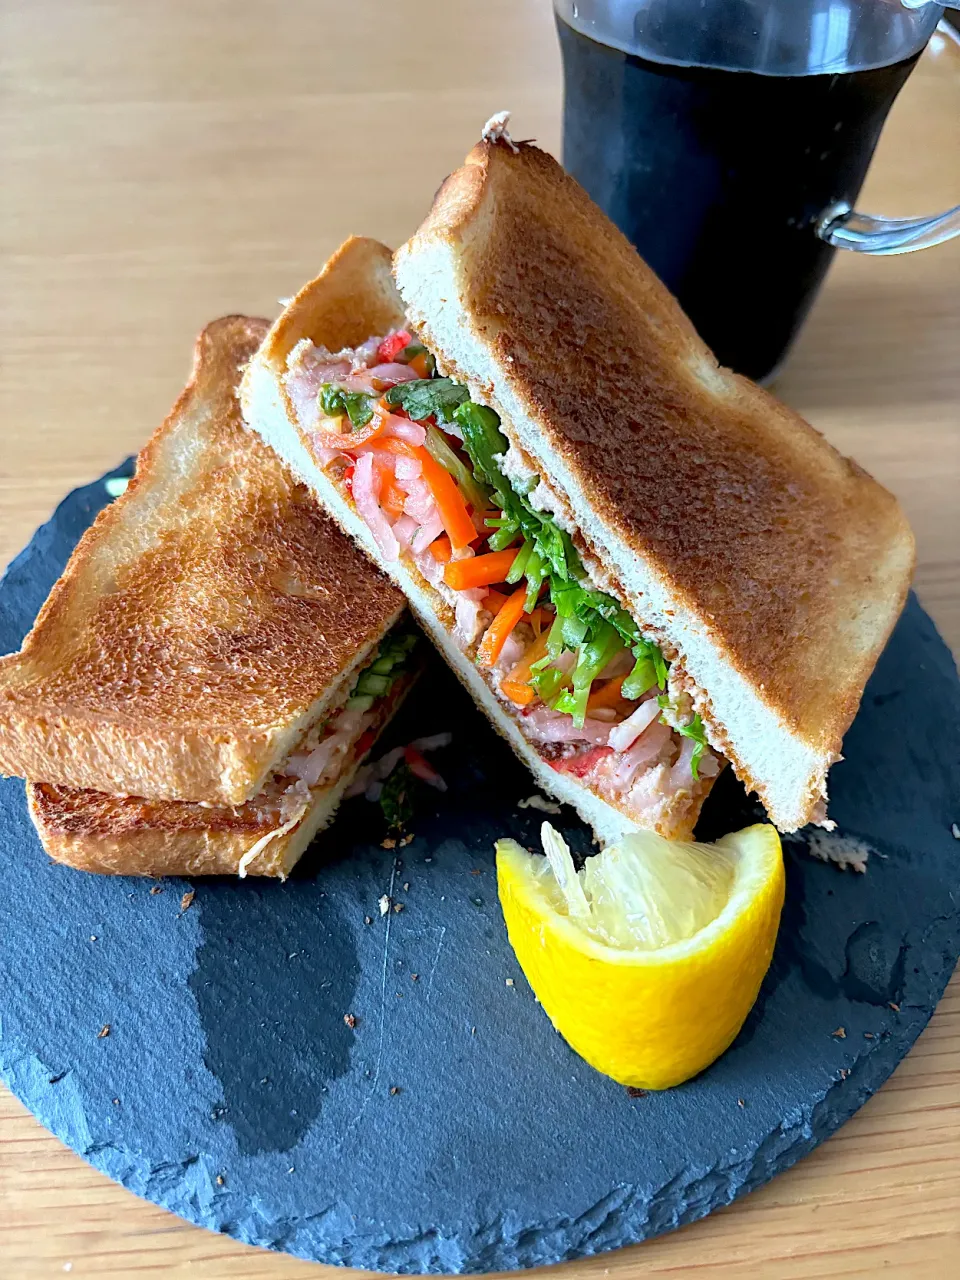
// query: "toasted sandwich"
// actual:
[[642, 565], [207, 675]]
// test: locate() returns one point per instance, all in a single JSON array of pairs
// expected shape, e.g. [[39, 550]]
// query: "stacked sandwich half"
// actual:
[[207, 675]]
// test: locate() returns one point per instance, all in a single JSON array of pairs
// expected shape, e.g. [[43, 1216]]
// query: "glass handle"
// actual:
[[844, 228]]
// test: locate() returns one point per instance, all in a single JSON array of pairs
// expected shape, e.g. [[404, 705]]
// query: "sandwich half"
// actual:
[[215, 662], [668, 569]]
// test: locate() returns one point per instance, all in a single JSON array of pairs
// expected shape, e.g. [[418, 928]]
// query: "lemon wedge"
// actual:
[[648, 959]]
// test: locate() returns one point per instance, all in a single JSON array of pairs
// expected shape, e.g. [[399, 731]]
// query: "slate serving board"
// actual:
[[453, 1130]]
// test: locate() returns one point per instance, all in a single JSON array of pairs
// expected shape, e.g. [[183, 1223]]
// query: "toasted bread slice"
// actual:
[[770, 568], [207, 619], [353, 298], [124, 835]]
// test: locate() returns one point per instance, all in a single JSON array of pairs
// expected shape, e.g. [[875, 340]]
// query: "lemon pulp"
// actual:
[[649, 958], [642, 893]]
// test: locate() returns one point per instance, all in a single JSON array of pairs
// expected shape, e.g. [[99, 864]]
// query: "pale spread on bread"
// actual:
[[437, 485]]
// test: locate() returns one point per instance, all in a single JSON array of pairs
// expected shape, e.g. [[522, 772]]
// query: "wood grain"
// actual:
[[162, 164]]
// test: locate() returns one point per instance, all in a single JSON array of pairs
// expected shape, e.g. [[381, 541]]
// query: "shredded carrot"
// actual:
[[450, 504], [516, 685], [481, 571], [494, 601], [539, 619], [608, 695], [517, 691], [388, 444], [392, 497], [499, 629], [351, 441], [419, 365], [440, 549]]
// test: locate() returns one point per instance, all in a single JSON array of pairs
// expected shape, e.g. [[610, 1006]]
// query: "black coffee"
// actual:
[[719, 177]]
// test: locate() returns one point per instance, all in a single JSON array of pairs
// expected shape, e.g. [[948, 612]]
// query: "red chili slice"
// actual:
[[391, 347]]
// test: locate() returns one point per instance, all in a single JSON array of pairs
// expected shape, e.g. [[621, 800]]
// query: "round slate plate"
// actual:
[[453, 1130]]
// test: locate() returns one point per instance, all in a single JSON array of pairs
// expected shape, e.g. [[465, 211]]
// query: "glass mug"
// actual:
[[729, 139]]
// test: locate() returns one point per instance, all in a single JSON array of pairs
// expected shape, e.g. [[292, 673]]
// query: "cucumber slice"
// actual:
[[361, 703], [371, 683]]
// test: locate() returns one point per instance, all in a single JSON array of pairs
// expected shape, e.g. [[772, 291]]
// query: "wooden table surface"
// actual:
[[161, 164]]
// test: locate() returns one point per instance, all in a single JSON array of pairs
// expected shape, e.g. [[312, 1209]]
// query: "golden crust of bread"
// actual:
[[352, 299], [791, 562], [122, 835], [203, 620], [126, 835]]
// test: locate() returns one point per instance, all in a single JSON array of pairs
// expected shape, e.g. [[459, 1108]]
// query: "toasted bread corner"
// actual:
[[203, 622]]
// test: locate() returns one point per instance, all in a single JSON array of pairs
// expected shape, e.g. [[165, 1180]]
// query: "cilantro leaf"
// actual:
[[331, 400], [359, 408], [417, 349], [696, 731], [602, 647], [428, 398], [335, 402], [649, 669], [395, 798]]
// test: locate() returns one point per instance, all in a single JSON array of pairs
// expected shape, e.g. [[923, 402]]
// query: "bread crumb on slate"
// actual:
[[394, 1090], [406, 886], [839, 1034], [539, 802], [368, 920], [741, 1102], [187, 900], [384, 905], [388, 842], [509, 982], [220, 1180], [398, 907], [955, 831], [93, 937], [893, 1005], [116, 1102], [476, 871], [868, 1035], [157, 888], [350, 1019], [104, 1031], [414, 977], [844, 1072]]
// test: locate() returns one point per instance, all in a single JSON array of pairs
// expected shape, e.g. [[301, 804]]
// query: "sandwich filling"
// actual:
[[345, 736], [438, 485]]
